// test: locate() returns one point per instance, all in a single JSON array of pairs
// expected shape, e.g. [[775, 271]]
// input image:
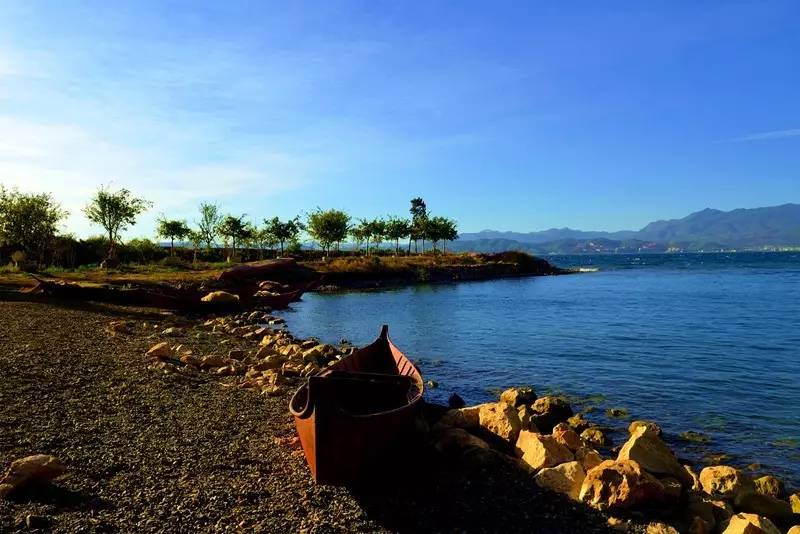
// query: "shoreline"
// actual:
[[466, 442]]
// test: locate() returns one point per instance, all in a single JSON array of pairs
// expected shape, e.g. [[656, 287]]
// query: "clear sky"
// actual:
[[504, 115]]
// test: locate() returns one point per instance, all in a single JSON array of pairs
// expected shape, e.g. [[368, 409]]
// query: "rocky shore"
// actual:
[[641, 481], [120, 419]]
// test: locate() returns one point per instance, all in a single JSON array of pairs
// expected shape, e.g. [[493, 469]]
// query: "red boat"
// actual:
[[351, 414]]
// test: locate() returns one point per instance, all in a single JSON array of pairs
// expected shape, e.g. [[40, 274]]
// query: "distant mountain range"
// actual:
[[770, 228]]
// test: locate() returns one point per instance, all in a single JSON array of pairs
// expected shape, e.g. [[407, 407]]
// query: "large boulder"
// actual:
[[595, 435], [516, 397], [501, 420], [794, 530], [794, 502], [649, 451], [578, 422], [764, 505], [221, 297], [769, 485], [566, 479], [618, 484], [649, 425], [567, 437], [588, 457], [724, 482], [750, 524], [540, 451], [467, 418], [36, 469], [549, 411]]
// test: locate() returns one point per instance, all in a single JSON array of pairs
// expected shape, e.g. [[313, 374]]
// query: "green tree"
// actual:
[[210, 219], [115, 211], [196, 238], [397, 229], [263, 238], [377, 232], [236, 229], [29, 221], [285, 231], [419, 222], [172, 229], [328, 227], [359, 234], [441, 229]]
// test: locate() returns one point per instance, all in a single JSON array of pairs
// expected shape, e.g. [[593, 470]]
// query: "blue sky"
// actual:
[[505, 115]]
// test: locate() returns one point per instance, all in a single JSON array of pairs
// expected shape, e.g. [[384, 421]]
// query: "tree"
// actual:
[[419, 221], [285, 231], [210, 219], [196, 238], [172, 230], [235, 228], [29, 221], [359, 234], [115, 211], [441, 229], [377, 231], [328, 227], [397, 229], [263, 238]]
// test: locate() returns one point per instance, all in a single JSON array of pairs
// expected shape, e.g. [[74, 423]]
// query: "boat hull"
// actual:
[[355, 419]]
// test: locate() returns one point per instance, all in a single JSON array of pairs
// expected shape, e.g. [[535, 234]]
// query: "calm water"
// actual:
[[703, 342]]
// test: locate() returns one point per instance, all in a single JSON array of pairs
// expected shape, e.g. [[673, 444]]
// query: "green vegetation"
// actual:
[[29, 231], [114, 211]]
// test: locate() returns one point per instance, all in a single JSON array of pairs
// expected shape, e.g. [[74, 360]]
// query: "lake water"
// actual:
[[702, 342]]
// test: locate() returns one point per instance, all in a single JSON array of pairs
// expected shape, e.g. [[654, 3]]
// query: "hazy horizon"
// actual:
[[509, 117]]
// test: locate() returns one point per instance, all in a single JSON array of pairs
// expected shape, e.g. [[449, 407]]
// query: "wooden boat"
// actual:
[[350, 415]]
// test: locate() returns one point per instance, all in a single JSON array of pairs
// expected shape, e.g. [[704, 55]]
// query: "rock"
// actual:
[[270, 362], [769, 485], [212, 360], [39, 468], [673, 489], [763, 505], [649, 425], [617, 413], [516, 397], [794, 502], [794, 530], [725, 482], [432, 384], [568, 438], [588, 457], [596, 436], [540, 451], [525, 414], [119, 327], [617, 484], [455, 401], [236, 354], [579, 422], [652, 454], [660, 528], [549, 411], [466, 418], [695, 437], [188, 359], [500, 419], [750, 524], [454, 441], [699, 507], [172, 331], [160, 350], [221, 297], [694, 476], [566, 479]]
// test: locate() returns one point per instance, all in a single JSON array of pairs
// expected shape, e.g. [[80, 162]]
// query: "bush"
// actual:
[[175, 262]]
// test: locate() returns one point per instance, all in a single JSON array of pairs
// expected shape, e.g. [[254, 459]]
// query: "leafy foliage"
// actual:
[[328, 227], [115, 211], [172, 229], [29, 221], [283, 231], [236, 229], [210, 218]]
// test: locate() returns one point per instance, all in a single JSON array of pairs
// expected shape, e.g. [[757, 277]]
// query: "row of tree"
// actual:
[[30, 223]]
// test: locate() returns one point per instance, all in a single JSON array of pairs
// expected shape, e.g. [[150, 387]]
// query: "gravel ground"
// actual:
[[154, 452]]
